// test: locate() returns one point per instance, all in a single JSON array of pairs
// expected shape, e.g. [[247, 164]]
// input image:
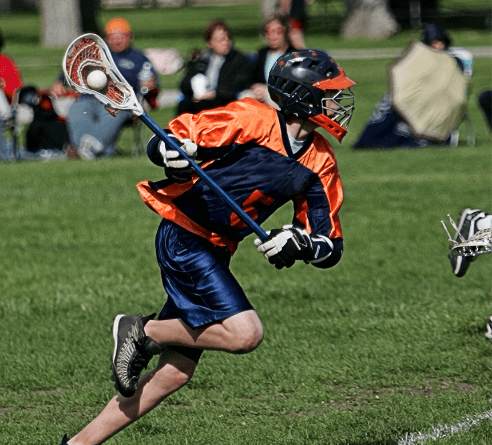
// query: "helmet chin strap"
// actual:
[[329, 125]]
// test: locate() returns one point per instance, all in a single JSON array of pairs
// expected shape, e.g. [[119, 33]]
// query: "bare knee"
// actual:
[[247, 338]]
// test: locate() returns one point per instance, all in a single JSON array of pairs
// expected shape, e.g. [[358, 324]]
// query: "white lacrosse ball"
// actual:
[[97, 80]]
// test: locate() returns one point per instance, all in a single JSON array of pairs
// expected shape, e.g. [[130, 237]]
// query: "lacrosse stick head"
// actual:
[[479, 243], [88, 53]]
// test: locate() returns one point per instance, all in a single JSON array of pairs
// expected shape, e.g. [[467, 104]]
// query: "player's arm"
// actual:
[[284, 246], [317, 211], [175, 167]]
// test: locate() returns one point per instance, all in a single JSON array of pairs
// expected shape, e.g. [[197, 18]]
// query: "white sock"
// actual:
[[485, 222]]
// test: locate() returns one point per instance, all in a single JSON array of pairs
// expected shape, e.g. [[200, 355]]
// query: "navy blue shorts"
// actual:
[[195, 274]]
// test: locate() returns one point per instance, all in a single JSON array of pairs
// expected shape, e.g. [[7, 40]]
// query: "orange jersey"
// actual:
[[245, 149]]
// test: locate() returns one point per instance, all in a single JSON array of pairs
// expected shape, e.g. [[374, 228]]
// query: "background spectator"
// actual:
[[10, 82], [276, 32], [436, 37], [217, 75], [386, 127], [93, 131], [47, 134]]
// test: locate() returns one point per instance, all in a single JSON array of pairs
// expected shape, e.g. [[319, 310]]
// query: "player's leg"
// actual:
[[172, 372], [240, 333], [206, 308], [137, 339]]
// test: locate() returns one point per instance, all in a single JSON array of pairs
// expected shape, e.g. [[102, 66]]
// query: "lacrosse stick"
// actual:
[[88, 53], [478, 244]]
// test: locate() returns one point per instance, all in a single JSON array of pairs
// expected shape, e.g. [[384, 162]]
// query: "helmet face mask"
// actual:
[[310, 85], [339, 106]]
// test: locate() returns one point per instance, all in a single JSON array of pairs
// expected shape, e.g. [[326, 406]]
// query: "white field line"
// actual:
[[442, 431]]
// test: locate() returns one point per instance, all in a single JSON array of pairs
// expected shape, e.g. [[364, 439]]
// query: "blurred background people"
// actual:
[[276, 32], [387, 128], [10, 82], [436, 37], [93, 131], [216, 76], [47, 133]]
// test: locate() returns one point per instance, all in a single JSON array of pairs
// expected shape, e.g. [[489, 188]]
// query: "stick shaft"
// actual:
[[206, 178]]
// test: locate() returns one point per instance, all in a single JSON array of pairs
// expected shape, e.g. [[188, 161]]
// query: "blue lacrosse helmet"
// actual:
[[309, 84]]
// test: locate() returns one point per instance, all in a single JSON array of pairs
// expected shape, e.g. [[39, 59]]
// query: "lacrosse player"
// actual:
[[470, 222], [263, 158]]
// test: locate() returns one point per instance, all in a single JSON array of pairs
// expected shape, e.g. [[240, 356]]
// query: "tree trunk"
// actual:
[[61, 22], [368, 18]]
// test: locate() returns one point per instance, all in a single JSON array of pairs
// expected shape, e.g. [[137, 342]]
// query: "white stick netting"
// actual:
[[478, 244], [88, 53]]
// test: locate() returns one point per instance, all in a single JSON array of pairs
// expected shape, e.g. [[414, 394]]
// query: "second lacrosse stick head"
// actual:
[[478, 244], [88, 53]]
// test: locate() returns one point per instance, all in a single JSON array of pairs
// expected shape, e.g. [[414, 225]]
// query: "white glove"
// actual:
[[171, 157], [284, 246]]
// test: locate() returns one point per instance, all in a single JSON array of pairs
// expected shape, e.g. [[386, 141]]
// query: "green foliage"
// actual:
[[387, 343]]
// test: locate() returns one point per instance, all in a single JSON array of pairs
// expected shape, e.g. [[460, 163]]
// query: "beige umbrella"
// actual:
[[429, 90]]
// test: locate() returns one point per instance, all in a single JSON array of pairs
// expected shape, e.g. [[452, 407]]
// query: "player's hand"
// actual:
[[284, 246], [177, 168]]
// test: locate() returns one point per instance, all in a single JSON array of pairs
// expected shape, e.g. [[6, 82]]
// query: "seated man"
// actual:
[[47, 133], [217, 76], [93, 131]]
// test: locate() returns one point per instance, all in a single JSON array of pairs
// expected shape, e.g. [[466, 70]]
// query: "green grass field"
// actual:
[[383, 346]]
